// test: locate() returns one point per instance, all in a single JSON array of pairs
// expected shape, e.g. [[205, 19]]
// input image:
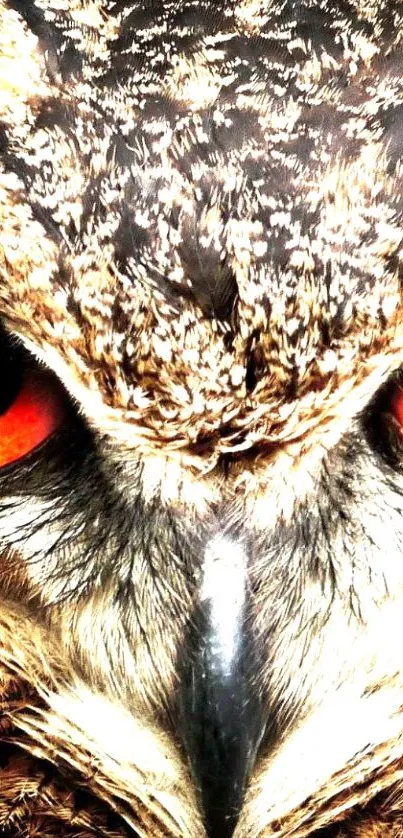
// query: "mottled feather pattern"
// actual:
[[244, 159], [201, 234]]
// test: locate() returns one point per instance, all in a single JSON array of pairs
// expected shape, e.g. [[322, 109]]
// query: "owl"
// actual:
[[201, 418]]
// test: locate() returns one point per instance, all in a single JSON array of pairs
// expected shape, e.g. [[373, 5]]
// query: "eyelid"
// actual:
[[34, 415]]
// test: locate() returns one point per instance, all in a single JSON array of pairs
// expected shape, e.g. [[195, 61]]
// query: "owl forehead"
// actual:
[[217, 154], [217, 200]]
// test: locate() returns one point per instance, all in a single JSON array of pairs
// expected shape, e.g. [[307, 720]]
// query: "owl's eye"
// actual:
[[384, 421], [32, 403], [396, 403]]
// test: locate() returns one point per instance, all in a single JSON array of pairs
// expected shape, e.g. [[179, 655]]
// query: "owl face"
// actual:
[[201, 420]]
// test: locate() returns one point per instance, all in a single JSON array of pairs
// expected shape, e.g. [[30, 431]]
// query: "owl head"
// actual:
[[201, 446]]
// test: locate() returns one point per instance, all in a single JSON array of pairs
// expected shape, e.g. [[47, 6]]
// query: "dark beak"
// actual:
[[222, 720]]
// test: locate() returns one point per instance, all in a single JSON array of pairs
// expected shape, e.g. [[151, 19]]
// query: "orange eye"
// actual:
[[396, 405], [32, 404]]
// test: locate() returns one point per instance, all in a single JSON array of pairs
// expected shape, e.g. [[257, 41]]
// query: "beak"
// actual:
[[222, 720]]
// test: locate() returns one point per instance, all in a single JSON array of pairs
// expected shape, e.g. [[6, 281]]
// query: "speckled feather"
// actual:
[[212, 205], [201, 233]]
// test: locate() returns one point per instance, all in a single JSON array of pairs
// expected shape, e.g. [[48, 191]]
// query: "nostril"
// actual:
[[221, 717]]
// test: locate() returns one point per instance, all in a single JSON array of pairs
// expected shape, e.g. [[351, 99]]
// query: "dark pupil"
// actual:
[[11, 368]]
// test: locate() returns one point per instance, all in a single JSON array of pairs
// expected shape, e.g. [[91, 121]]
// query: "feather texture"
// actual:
[[201, 234]]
